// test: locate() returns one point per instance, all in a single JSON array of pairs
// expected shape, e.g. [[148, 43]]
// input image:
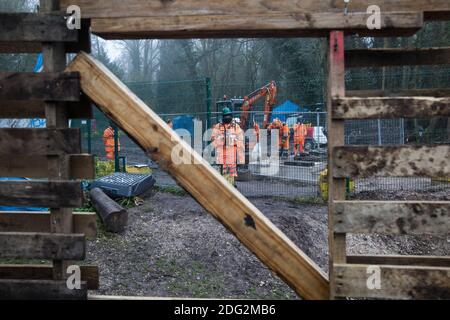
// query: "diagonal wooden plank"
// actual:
[[204, 183]]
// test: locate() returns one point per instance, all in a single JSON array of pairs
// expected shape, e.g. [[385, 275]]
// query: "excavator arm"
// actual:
[[269, 92]]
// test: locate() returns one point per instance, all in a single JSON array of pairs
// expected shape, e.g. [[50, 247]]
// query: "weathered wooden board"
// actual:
[[39, 141], [21, 109], [155, 8], [386, 108], [44, 86], [81, 166], [40, 290], [254, 25], [52, 194], [432, 92], [392, 161], [397, 282], [35, 27], [393, 217], [337, 190], [14, 221], [362, 58], [26, 245], [205, 184], [396, 260], [89, 274]]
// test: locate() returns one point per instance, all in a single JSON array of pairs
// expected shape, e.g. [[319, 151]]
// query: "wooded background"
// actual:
[[170, 74]]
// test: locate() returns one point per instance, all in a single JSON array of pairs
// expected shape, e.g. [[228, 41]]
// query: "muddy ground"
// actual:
[[173, 247]]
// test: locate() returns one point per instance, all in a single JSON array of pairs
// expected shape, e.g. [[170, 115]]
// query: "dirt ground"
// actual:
[[173, 247]]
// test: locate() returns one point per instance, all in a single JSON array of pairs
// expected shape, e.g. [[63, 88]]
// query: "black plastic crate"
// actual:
[[120, 184]]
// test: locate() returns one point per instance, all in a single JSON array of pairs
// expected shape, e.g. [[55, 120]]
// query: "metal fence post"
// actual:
[[116, 149], [208, 102], [89, 135]]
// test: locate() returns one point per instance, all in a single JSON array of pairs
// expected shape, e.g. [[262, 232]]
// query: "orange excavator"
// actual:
[[269, 92]]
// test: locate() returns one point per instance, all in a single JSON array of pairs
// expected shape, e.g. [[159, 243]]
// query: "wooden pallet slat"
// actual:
[[387, 107], [28, 245], [81, 166], [52, 194], [21, 109], [363, 58], [44, 86], [22, 221], [35, 27], [255, 25], [392, 217], [89, 274], [397, 282], [40, 290], [391, 161], [39, 141], [394, 93], [399, 260], [142, 8]]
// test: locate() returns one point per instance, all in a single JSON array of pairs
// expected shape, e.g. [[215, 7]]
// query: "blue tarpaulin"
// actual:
[[184, 122], [18, 208], [282, 111]]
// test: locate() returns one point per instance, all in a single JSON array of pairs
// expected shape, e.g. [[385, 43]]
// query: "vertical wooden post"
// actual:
[[336, 187], [56, 117]]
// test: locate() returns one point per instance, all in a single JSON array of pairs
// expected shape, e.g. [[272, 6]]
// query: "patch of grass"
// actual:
[[171, 189], [193, 279]]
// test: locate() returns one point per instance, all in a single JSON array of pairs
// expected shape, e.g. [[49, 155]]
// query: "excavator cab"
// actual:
[[234, 104]]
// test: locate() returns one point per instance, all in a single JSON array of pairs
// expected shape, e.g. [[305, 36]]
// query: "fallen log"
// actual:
[[113, 216]]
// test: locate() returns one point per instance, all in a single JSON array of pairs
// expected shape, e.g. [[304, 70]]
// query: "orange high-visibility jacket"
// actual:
[[108, 141], [300, 132], [285, 133], [228, 140]]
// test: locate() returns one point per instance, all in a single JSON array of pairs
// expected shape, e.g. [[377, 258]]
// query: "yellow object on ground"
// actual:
[[134, 169], [323, 185]]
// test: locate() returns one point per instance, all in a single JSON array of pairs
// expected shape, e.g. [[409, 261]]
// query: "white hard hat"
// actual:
[[237, 120]]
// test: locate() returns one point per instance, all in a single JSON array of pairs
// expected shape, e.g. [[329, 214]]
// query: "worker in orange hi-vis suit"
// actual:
[[108, 141], [300, 132], [285, 135], [277, 125], [228, 140]]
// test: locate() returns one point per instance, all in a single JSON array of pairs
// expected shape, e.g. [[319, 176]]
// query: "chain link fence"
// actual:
[[294, 178]]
